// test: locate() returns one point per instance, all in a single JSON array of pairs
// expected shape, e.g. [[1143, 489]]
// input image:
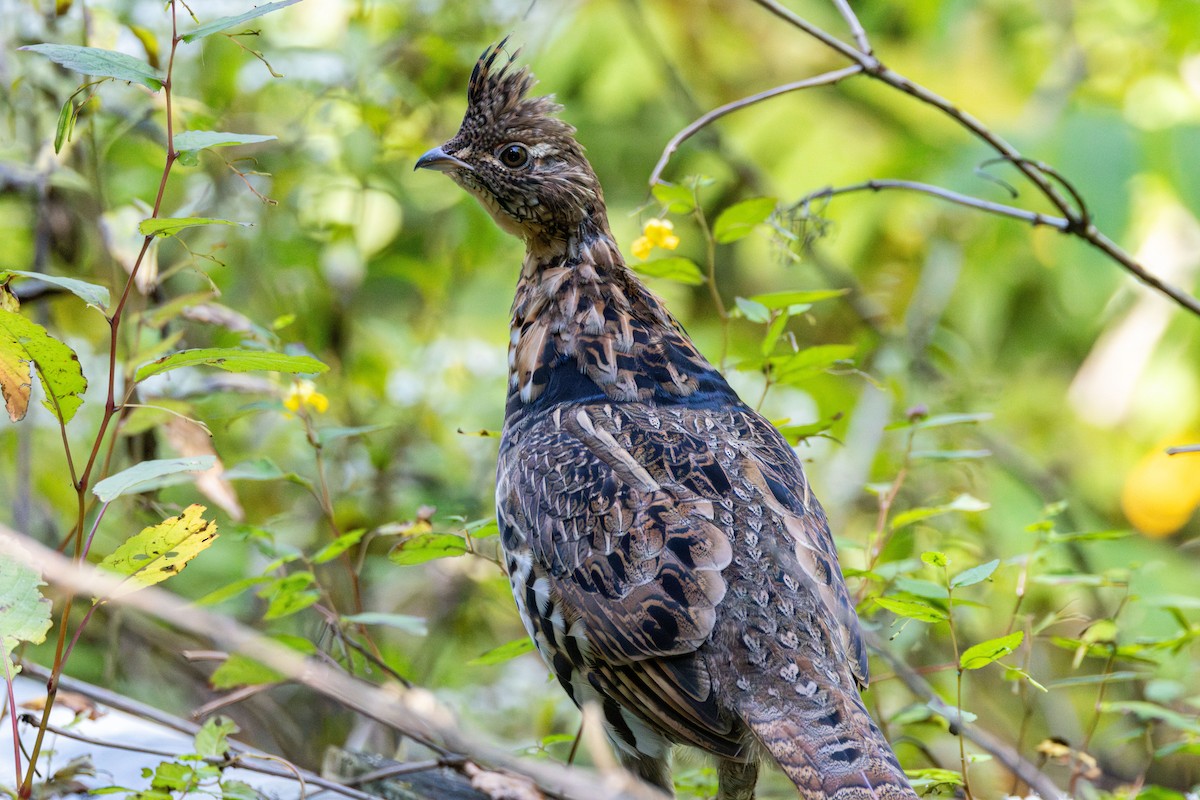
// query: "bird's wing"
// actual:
[[622, 517], [771, 469], [617, 567]]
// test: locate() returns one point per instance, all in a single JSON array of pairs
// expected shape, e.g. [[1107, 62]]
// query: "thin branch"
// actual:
[[875, 185], [999, 749], [864, 59], [415, 712], [705, 120], [856, 28]]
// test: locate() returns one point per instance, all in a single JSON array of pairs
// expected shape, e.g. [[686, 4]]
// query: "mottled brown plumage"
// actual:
[[664, 547]]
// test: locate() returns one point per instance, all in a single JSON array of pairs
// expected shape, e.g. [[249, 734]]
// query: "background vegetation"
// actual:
[[1005, 393]]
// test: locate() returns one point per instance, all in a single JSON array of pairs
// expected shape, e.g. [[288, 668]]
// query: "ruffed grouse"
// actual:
[[664, 548]]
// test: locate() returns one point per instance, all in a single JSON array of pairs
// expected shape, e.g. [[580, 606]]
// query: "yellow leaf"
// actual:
[[161, 550]]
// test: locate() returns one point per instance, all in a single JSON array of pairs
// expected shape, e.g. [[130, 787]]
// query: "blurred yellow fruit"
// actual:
[[1162, 491]]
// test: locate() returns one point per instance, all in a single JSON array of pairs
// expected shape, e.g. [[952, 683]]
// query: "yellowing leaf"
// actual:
[[24, 343], [160, 551]]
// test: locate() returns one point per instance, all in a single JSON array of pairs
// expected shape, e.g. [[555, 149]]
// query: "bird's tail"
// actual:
[[826, 742]]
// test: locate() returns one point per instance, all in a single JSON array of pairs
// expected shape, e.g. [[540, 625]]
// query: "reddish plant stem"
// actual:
[[83, 481]]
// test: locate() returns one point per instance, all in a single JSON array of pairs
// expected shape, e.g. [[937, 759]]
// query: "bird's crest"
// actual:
[[498, 91]]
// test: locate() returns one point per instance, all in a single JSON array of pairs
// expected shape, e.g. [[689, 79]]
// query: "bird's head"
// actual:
[[517, 158]]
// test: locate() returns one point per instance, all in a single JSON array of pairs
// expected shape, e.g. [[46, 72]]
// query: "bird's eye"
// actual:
[[514, 155]]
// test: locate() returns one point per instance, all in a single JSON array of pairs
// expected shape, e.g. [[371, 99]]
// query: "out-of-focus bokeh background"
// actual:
[[1074, 377]]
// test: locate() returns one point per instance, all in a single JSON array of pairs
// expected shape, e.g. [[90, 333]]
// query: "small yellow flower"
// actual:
[[655, 233], [304, 394], [642, 247]]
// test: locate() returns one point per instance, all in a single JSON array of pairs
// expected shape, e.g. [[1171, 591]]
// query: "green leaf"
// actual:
[[233, 359], [774, 331], [218, 25], [263, 469], [338, 546], [941, 421], [505, 652], [925, 779], [169, 226], [1119, 676], [934, 558], [964, 502], [678, 199], [239, 670], [428, 546], [753, 310], [911, 609], [985, 653], [401, 622], [66, 120], [796, 433], [160, 551], [141, 475], [172, 776], [24, 613], [102, 63], [239, 790], [230, 590], [482, 528], [922, 588], [24, 343], [974, 575], [740, 219], [200, 140], [1150, 711], [678, 269], [89, 293], [796, 367], [1088, 536], [212, 740], [289, 595], [950, 455], [778, 301], [328, 435]]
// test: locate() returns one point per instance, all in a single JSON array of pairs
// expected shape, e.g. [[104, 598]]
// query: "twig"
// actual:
[[685, 134], [856, 28], [999, 749], [413, 712], [875, 185]]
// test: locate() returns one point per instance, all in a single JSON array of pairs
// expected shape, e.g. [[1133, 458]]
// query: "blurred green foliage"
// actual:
[[1067, 374]]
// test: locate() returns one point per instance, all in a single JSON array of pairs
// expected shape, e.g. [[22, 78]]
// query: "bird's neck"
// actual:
[[585, 327]]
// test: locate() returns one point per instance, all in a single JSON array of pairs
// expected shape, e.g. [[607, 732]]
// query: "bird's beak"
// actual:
[[438, 159]]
